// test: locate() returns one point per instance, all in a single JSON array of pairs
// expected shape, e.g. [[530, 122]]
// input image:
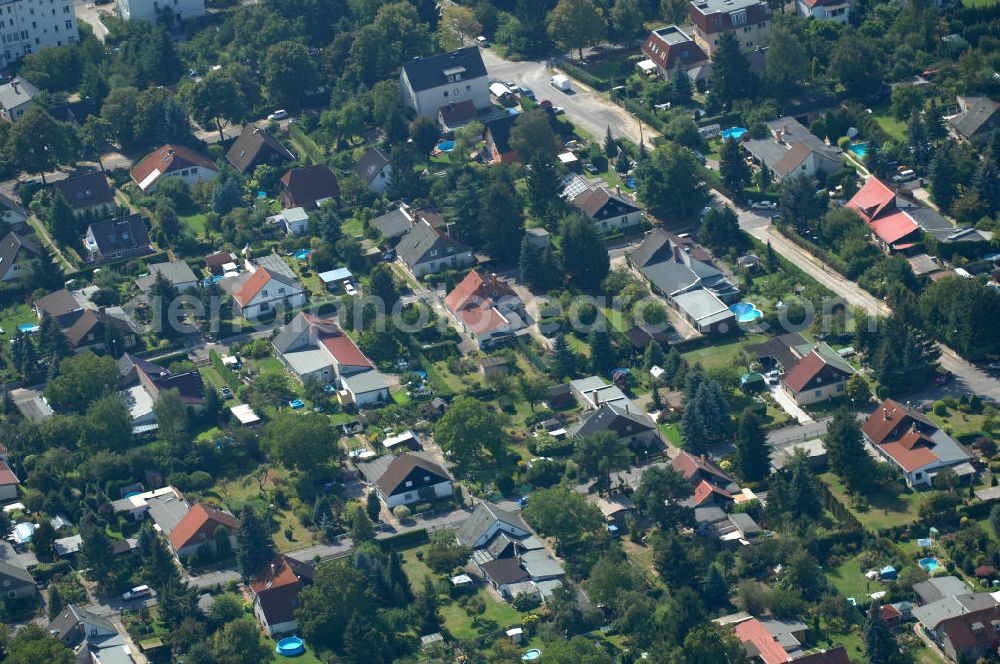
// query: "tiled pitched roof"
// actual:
[[689, 466], [893, 227], [125, 234], [7, 476], [167, 159], [429, 72], [473, 300], [256, 144], [252, 286], [872, 199], [86, 191], [14, 247], [371, 164], [670, 46], [402, 466], [308, 184], [199, 525]]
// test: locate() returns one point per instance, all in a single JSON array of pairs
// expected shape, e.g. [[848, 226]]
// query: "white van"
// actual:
[[137, 592], [482, 42], [560, 82], [904, 176]]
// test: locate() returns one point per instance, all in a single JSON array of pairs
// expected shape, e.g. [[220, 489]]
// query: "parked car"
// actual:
[[350, 289], [560, 82], [280, 114], [904, 176], [545, 103], [527, 92], [590, 168], [482, 41], [942, 379], [137, 592], [558, 110], [226, 392], [764, 205], [993, 366]]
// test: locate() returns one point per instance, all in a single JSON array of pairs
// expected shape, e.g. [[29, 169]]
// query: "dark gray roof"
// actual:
[[14, 247], [254, 146], [482, 518], [781, 348], [16, 93], [615, 418], [393, 224], [978, 112], [18, 576], [416, 245], [124, 234], [796, 142], [939, 587], [371, 164], [86, 191], [176, 272], [429, 72], [600, 203], [73, 616], [932, 614]]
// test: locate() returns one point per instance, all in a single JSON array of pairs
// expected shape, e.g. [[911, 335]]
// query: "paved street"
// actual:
[[208, 579], [587, 108], [90, 13]]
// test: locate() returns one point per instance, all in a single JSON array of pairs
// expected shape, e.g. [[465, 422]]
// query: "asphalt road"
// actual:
[[588, 109]]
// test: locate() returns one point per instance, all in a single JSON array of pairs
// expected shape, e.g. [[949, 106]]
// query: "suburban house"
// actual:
[[749, 20], [374, 170], [592, 391], [92, 638], [292, 221], [154, 379], [488, 310], [614, 508], [825, 10], [406, 479], [454, 115], [18, 256], [892, 229], [671, 49], [275, 591], [120, 238], [424, 249], [9, 484], [904, 437], [964, 625], [791, 149], [137, 506], [17, 95], [309, 186], [12, 214], [255, 147], [173, 161], [198, 528], [608, 210], [363, 390], [88, 194], [682, 273], [809, 372], [624, 420], [396, 223], [698, 469], [317, 348], [152, 11], [774, 641], [15, 581], [820, 374], [178, 273], [267, 285], [221, 262], [507, 553], [449, 78], [976, 119], [496, 133], [939, 587], [84, 323]]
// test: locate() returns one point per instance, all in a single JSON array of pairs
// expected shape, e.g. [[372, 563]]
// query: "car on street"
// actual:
[[558, 110], [280, 114], [764, 205], [545, 103]]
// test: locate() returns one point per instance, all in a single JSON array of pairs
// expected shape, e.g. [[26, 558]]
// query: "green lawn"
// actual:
[[886, 509], [851, 581], [719, 355], [11, 317], [671, 432], [959, 424], [896, 129], [979, 3], [196, 222]]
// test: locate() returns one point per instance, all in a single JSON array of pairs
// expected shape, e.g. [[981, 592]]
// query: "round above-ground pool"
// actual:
[[290, 646], [745, 312], [531, 655], [734, 132], [859, 149], [930, 565]]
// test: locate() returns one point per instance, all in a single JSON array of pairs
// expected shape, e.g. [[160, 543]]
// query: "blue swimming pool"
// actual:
[[531, 655], [859, 149], [27, 328], [290, 647], [446, 146], [296, 403], [734, 132], [303, 254], [746, 312], [929, 564]]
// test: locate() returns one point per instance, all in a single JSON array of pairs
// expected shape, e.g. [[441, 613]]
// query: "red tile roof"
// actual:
[[872, 199], [344, 350], [770, 651], [909, 458], [902, 434], [689, 466], [7, 476], [252, 286], [888, 417], [473, 301], [199, 525], [706, 491], [893, 227], [167, 159], [804, 371]]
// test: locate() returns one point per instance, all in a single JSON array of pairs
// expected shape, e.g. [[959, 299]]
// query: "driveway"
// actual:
[[797, 432], [788, 404], [90, 13], [208, 579], [586, 108]]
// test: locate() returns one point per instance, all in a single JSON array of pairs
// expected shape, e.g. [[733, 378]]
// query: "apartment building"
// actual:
[[748, 20], [27, 26]]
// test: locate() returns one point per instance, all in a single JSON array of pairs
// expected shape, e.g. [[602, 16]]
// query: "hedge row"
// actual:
[[584, 76], [404, 540]]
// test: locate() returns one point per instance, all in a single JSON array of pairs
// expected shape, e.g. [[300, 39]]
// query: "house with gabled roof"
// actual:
[[891, 228], [18, 256], [173, 161], [267, 285], [977, 118], [964, 626], [790, 149], [76, 625], [13, 214], [86, 325], [904, 437], [671, 48], [9, 484], [695, 469], [178, 273], [254, 147], [819, 374], [198, 528], [407, 479], [496, 133], [15, 581], [773, 641], [88, 193], [425, 249], [434, 81], [374, 169], [309, 187], [825, 10], [315, 348], [156, 379], [486, 309], [275, 592], [622, 419], [608, 210], [115, 239], [748, 20]]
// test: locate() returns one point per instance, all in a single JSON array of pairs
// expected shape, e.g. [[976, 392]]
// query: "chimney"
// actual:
[[677, 252], [596, 398], [14, 84], [274, 570], [618, 189], [885, 414], [626, 407]]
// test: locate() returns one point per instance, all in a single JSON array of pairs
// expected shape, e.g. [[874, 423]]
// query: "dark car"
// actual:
[[942, 379]]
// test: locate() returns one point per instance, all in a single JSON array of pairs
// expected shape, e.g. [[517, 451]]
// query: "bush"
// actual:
[[402, 512], [525, 602], [940, 408]]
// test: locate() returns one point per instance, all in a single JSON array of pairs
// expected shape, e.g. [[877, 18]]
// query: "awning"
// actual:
[[646, 66]]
